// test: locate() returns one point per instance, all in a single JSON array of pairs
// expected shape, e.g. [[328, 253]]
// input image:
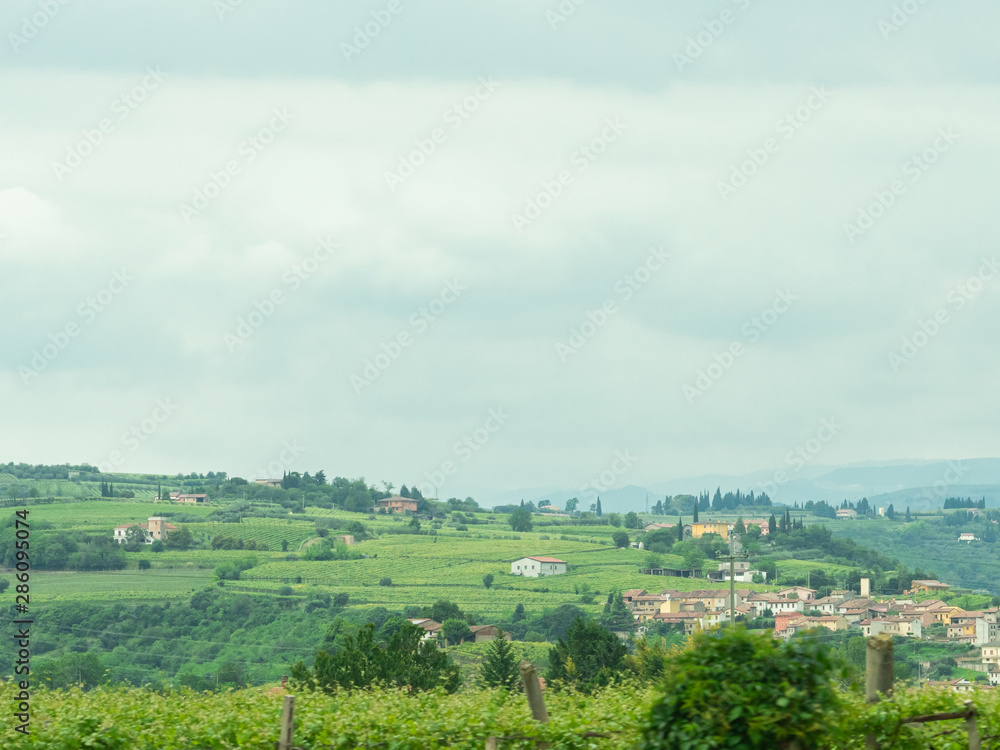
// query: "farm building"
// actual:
[[155, 529], [190, 499], [533, 567], [397, 504]]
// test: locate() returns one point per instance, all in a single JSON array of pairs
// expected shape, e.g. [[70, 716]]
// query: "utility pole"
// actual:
[[732, 576]]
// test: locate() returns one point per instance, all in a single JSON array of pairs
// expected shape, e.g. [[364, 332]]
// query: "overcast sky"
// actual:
[[640, 240]]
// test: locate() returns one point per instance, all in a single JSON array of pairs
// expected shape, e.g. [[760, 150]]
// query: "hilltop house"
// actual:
[[846, 513], [966, 536], [397, 504], [533, 567], [156, 529], [268, 482]]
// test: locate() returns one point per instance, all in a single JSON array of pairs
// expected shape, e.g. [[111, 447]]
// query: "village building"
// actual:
[[846, 513], [928, 587], [806, 594], [721, 528]]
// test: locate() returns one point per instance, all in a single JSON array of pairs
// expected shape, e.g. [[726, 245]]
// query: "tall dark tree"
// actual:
[[598, 506], [590, 657], [772, 525], [695, 518], [500, 667], [518, 613], [680, 528], [616, 615], [717, 499], [908, 514], [890, 513]]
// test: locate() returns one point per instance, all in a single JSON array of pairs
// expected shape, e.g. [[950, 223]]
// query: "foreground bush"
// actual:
[[737, 689]]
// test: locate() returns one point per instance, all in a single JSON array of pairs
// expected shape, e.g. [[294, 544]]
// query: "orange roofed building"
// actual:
[[398, 504]]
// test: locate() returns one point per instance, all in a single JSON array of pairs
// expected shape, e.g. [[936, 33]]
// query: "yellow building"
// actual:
[[711, 527]]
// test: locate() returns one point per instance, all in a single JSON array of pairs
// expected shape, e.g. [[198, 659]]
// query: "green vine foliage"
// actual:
[[737, 689]]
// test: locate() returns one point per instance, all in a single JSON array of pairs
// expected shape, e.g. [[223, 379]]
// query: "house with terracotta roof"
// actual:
[[830, 622], [928, 587], [430, 627], [156, 529], [398, 504], [533, 567], [806, 594]]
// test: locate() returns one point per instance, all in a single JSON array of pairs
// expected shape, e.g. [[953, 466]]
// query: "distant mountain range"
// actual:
[[921, 485]]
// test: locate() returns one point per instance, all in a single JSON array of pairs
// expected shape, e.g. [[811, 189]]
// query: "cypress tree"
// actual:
[[598, 506], [680, 528], [695, 518]]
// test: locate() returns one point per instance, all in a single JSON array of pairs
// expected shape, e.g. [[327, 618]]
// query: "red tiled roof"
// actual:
[[547, 560]]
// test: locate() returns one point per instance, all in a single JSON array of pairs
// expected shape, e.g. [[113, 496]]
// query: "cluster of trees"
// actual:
[[402, 659], [108, 490], [967, 502], [324, 550], [47, 471], [52, 550], [231, 571], [221, 541]]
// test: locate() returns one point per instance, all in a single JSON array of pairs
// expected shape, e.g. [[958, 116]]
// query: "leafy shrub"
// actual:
[[385, 581], [144, 565], [285, 591], [739, 689]]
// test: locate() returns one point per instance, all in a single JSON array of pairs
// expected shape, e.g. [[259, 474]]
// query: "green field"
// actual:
[[126, 584], [93, 515]]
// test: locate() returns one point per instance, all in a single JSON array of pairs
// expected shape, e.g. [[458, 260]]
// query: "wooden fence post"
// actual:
[[878, 674], [972, 727], [533, 690], [287, 720]]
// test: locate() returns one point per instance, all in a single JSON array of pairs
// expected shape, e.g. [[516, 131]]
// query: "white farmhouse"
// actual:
[[537, 566]]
